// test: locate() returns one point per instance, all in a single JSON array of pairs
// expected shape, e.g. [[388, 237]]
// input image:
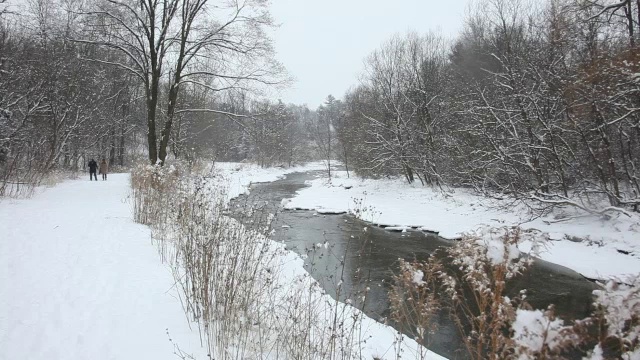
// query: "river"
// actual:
[[368, 258]]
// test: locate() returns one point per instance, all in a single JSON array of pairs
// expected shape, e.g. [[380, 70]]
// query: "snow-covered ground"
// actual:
[[239, 176], [80, 280], [600, 254]]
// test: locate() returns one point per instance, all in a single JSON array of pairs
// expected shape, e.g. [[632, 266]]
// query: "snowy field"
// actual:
[[80, 280], [600, 254]]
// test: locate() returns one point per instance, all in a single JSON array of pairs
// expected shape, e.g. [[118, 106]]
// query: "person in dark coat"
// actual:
[[103, 169], [93, 167]]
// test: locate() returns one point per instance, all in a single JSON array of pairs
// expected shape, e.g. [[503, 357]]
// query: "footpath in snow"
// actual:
[[597, 247], [80, 280]]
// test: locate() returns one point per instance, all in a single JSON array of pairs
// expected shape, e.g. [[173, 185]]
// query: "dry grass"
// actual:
[[26, 184], [153, 193], [412, 300], [233, 282]]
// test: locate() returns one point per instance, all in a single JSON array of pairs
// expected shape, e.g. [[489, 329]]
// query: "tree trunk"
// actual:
[[408, 173], [630, 23], [152, 102], [611, 164], [329, 146], [346, 160], [122, 144], [112, 146]]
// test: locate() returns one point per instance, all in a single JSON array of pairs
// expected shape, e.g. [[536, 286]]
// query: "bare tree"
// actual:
[[323, 128], [184, 41]]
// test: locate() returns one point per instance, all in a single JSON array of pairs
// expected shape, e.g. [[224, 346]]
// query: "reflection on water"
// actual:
[[354, 262]]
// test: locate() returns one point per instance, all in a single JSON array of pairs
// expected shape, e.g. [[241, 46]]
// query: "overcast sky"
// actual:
[[322, 43]]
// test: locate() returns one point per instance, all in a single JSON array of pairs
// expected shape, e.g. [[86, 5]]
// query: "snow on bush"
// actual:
[[412, 299], [481, 253], [471, 288], [618, 306], [499, 251], [621, 304], [495, 326], [539, 334]]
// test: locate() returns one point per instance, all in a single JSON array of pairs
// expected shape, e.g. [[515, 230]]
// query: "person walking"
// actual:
[[103, 169], [93, 167]]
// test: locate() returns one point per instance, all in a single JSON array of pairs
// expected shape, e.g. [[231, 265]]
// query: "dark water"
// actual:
[[367, 259]]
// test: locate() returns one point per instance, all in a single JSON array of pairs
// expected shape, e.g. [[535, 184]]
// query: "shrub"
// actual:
[[494, 326]]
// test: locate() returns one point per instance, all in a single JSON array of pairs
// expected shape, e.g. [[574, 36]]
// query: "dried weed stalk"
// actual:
[[495, 326], [234, 283]]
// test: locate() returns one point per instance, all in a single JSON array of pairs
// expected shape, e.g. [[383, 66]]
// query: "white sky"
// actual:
[[322, 43]]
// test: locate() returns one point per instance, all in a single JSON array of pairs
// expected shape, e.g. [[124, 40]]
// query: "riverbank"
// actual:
[[238, 177], [597, 247]]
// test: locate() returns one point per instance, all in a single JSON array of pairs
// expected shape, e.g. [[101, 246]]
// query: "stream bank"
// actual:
[[367, 259]]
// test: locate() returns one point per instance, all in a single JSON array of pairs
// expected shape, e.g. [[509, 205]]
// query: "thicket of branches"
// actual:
[[540, 100], [56, 110], [265, 132]]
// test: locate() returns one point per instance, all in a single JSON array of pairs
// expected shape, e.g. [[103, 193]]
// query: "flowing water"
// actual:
[[368, 259]]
